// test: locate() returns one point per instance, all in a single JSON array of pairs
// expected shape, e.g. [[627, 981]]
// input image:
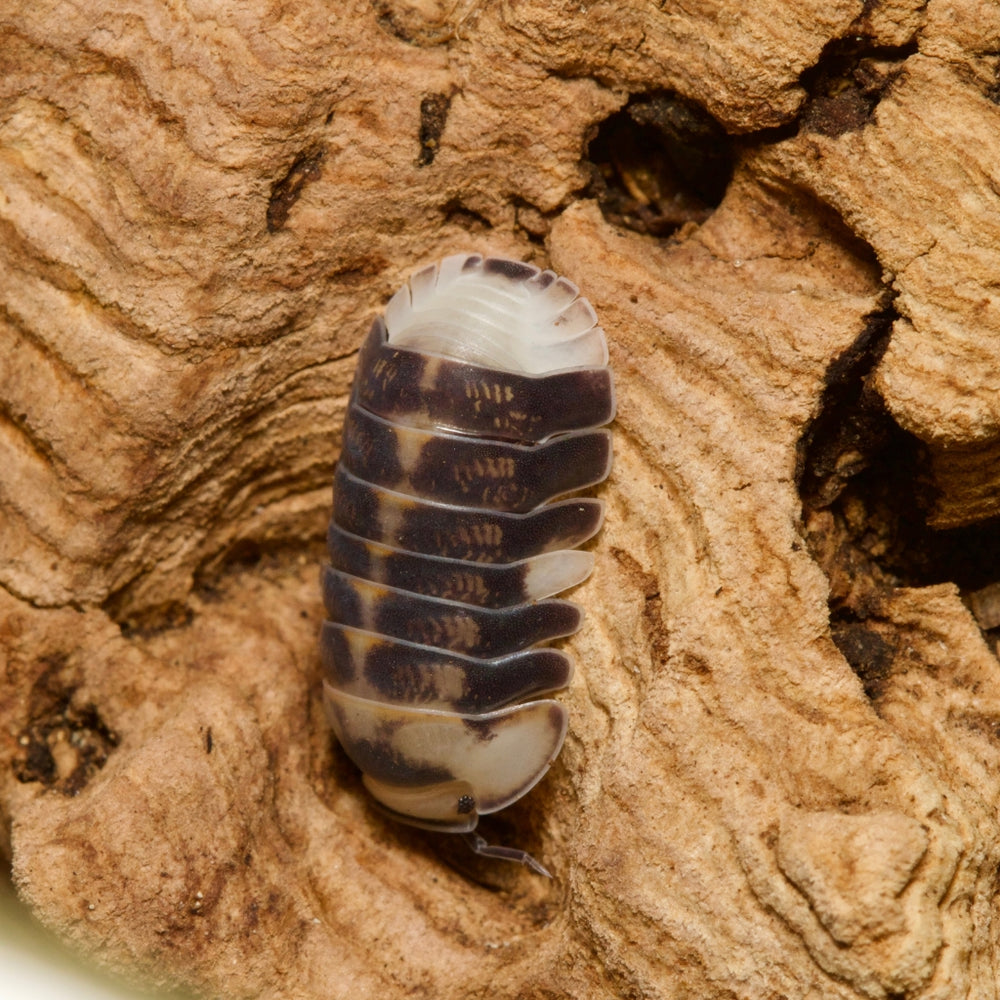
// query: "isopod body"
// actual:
[[476, 415]]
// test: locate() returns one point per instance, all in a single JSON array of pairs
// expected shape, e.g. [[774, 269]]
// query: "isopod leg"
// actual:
[[479, 845]]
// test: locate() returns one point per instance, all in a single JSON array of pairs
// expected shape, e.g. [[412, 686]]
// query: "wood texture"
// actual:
[[781, 772]]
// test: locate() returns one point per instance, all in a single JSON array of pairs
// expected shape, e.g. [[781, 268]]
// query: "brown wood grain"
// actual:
[[781, 773]]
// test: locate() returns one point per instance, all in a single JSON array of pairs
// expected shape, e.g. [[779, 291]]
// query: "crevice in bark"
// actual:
[[458, 214], [532, 221], [306, 167], [62, 745], [864, 493], [847, 82], [992, 91], [660, 162]]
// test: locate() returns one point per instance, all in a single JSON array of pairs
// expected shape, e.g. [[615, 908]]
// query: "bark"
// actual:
[[782, 766]]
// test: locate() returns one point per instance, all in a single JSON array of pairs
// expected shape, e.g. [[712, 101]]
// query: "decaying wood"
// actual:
[[783, 767]]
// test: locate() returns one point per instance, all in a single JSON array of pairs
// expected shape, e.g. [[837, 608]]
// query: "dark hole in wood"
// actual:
[[847, 82], [865, 493], [660, 162]]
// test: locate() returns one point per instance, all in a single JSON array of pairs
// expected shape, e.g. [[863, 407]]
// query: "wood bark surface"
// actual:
[[783, 766]]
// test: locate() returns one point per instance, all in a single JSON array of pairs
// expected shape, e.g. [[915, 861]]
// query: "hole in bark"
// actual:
[[62, 745], [433, 117], [847, 83], [660, 162], [864, 494], [285, 193]]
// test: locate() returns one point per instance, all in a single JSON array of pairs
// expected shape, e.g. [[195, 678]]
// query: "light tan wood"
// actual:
[[202, 207]]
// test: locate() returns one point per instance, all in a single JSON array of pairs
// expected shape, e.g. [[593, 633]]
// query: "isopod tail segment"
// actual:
[[477, 413], [467, 764]]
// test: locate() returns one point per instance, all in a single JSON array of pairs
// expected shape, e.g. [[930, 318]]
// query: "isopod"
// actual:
[[476, 416]]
